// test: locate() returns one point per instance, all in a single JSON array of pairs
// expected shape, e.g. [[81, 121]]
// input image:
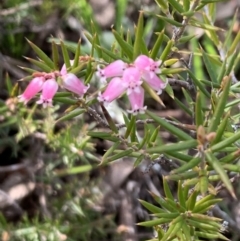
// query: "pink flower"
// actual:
[[155, 82], [115, 69], [146, 64], [132, 80], [137, 100], [114, 89], [72, 83], [63, 70], [49, 89], [32, 89]]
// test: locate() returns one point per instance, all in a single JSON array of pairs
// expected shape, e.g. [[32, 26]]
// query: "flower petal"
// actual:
[[114, 89], [72, 83], [155, 82], [49, 89], [137, 101], [115, 69], [32, 89]]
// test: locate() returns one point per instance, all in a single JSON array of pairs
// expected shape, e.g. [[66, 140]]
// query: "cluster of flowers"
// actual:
[[128, 78], [46, 82]]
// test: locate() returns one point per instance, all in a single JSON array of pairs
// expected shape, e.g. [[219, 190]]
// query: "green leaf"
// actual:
[[119, 155], [120, 12], [211, 33], [199, 84], [157, 45], [138, 161], [42, 55], [162, 4], [176, 5], [184, 107], [139, 36], [203, 181], [152, 93], [169, 20], [180, 194], [231, 167], [153, 137], [230, 30], [202, 226], [186, 5], [232, 63], [145, 139], [182, 176], [29, 70], [196, 23], [167, 50], [71, 115], [219, 110], [8, 83], [167, 71], [163, 203], [167, 190], [169, 127], [152, 208], [221, 129], [186, 39], [109, 152], [128, 49], [198, 110], [155, 222], [170, 91], [65, 100], [210, 67], [180, 146], [179, 156], [130, 126], [39, 64], [213, 161], [77, 55], [110, 54], [230, 157], [55, 55], [109, 119], [187, 166], [234, 44], [65, 55], [191, 202], [96, 40], [73, 170], [204, 206], [173, 229], [186, 231]]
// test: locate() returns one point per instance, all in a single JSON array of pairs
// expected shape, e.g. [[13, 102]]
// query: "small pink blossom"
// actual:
[[115, 69], [114, 89], [137, 101], [32, 89], [72, 83], [155, 82], [49, 89], [63, 70], [146, 64], [132, 80]]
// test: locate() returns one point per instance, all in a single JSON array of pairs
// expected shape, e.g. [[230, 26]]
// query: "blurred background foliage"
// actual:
[[60, 192]]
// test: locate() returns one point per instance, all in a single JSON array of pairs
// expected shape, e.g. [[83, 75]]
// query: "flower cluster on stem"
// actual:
[[128, 78], [47, 84]]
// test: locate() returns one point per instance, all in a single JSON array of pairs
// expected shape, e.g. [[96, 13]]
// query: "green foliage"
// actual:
[[210, 91]]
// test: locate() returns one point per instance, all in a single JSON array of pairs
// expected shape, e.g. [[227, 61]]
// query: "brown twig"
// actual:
[[223, 215], [20, 7]]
